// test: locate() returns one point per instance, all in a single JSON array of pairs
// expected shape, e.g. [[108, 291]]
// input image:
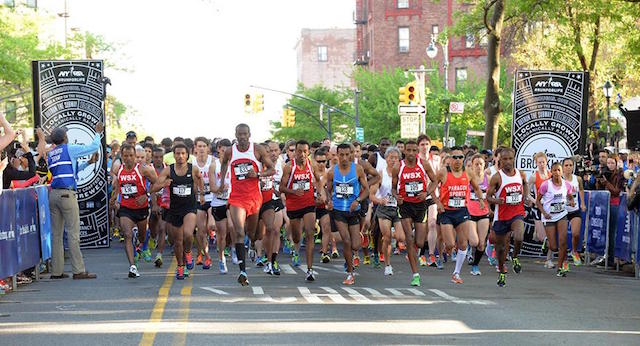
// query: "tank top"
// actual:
[[204, 171], [474, 203], [243, 187], [300, 179], [266, 188], [575, 188], [162, 197], [511, 191], [386, 188], [182, 193], [539, 180], [554, 199], [132, 186], [454, 193], [346, 188], [411, 181], [220, 198], [277, 178]]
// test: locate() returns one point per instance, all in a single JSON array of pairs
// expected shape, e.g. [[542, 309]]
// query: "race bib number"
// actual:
[[182, 190], [557, 207], [514, 198], [267, 184], [413, 188], [128, 190], [241, 170], [344, 191], [223, 195], [207, 189], [392, 202], [456, 202], [302, 185]]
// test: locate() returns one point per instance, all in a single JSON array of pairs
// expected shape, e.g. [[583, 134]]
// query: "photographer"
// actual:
[[21, 164], [610, 178]]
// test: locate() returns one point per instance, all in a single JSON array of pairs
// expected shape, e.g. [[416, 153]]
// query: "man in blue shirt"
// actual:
[[62, 159]]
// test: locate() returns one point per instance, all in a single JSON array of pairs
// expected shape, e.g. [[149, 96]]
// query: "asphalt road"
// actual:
[[587, 307]]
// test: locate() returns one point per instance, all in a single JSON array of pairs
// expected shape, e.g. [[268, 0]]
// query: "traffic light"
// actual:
[[247, 103], [288, 117], [258, 103], [407, 93]]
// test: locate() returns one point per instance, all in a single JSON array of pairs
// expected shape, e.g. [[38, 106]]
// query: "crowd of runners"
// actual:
[[259, 203]]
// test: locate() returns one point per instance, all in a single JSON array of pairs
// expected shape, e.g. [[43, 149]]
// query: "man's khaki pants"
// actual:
[[65, 212]]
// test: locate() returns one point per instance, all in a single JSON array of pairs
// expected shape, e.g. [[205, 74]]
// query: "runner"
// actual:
[[434, 236], [535, 181], [373, 177], [271, 212], [301, 180], [182, 179], [387, 207], [220, 190], [347, 184], [245, 160], [452, 205], [204, 219], [130, 184], [159, 207], [411, 190], [506, 189], [322, 214], [552, 197], [479, 215], [575, 212]]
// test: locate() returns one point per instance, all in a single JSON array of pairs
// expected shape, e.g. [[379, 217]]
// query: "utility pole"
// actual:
[[421, 75], [355, 105], [329, 123]]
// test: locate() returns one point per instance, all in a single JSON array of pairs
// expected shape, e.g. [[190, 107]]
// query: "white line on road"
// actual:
[[373, 292], [287, 269], [215, 290], [356, 295], [448, 297], [257, 290], [394, 291], [415, 291]]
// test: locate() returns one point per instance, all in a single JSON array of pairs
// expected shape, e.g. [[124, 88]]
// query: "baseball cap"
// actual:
[[624, 151], [131, 134]]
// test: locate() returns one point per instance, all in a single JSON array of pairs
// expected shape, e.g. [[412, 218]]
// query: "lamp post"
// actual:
[[607, 88], [432, 51]]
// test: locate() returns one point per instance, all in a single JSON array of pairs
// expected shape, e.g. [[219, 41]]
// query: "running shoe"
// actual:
[[186, 272], [295, 260], [234, 256], [388, 270], [415, 280], [152, 243], [492, 261], [286, 248], [396, 251], [367, 260], [439, 264], [199, 259], [335, 254], [517, 267], [422, 260], [267, 268], [561, 273], [502, 279], [310, 276], [222, 265], [158, 261], [252, 255], [263, 261], [275, 268], [188, 259], [576, 258], [325, 258], [138, 254], [243, 279], [475, 270], [226, 252], [133, 272], [431, 261], [565, 266], [456, 279], [376, 260], [350, 280], [180, 273], [207, 263], [549, 264], [489, 249], [445, 257], [356, 261], [147, 255], [470, 257], [381, 257], [454, 255], [598, 261]]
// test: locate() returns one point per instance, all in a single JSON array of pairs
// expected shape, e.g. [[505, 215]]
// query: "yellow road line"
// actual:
[[181, 338], [158, 309]]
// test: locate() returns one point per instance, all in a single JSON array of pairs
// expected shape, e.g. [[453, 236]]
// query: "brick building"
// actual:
[[396, 33], [325, 56]]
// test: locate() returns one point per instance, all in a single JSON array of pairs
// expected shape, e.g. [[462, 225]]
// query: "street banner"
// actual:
[[550, 115], [44, 216], [70, 94], [598, 222], [8, 251], [623, 243], [26, 221]]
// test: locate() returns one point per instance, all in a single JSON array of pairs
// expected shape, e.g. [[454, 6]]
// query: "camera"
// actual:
[[630, 174]]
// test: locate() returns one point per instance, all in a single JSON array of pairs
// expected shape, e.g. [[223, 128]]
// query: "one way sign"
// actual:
[[411, 109]]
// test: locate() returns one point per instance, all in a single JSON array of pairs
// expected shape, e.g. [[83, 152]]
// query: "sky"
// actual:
[[194, 60]]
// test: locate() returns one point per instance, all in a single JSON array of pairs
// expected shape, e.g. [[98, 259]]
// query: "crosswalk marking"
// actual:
[[356, 295], [287, 269], [314, 298], [373, 292], [394, 291], [215, 290], [257, 290], [415, 291]]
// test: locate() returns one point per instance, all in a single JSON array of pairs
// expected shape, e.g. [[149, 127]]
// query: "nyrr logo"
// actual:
[[548, 83], [71, 73]]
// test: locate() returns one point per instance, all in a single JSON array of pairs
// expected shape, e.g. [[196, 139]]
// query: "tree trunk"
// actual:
[[492, 99]]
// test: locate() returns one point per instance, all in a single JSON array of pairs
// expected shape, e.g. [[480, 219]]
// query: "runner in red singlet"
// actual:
[[159, 205]]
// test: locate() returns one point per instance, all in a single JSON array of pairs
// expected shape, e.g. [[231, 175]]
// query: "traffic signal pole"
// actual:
[[298, 109]]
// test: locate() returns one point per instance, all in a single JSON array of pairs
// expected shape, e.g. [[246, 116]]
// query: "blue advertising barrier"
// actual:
[[45, 221], [26, 223], [598, 222], [8, 244], [623, 236]]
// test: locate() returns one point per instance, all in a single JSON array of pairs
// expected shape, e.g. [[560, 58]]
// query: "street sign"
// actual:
[[409, 126], [456, 107], [411, 109], [359, 134]]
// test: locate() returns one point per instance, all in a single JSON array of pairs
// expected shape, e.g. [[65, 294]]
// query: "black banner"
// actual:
[[70, 94], [549, 115]]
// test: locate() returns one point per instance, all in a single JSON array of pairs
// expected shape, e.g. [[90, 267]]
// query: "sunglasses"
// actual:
[[291, 149], [457, 157], [321, 161]]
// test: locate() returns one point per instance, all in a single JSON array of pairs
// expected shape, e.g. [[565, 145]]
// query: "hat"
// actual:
[[131, 134], [624, 151], [57, 135]]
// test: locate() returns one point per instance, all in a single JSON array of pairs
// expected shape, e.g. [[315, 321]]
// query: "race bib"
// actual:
[[207, 189], [267, 184], [557, 207], [413, 188], [241, 170], [129, 190], [301, 185], [456, 202], [514, 198], [223, 195], [182, 190], [344, 190], [392, 202]]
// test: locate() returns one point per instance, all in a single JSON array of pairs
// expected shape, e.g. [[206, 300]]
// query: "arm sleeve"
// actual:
[[81, 150]]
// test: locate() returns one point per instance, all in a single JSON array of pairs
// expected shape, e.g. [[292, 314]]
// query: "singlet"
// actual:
[[162, 197], [511, 191], [132, 186], [575, 188], [474, 203], [220, 198], [243, 187], [204, 170], [454, 193], [411, 181], [381, 163], [539, 180], [277, 178], [266, 188], [554, 199], [300, 179], [386, 186], [182, 193], [346, 188]]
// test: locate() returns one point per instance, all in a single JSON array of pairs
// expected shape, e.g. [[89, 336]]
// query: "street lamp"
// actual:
[[432, 51], [607, 88]]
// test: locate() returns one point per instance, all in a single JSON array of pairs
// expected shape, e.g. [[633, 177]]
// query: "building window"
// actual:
[[403, 3], [9, 3], [435, 29], [11, 111], [461, 75], [484, 38], [322, 53], [469, 40], [403, 39], [32, 3]]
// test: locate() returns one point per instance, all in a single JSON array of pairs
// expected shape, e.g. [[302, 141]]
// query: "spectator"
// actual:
[[8, 135], [610, 178], [21, 165], [624, 159]]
